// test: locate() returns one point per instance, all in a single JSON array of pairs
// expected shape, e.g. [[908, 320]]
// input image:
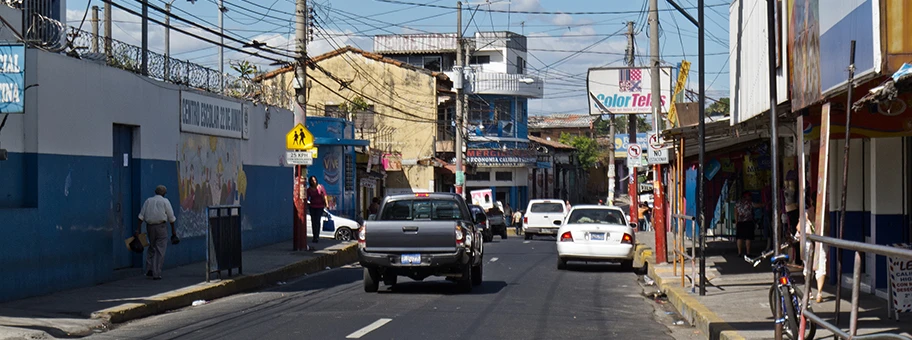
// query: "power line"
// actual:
[[531, 12]]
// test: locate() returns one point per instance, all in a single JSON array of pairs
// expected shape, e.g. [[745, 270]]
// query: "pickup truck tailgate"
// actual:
[[420, 236]]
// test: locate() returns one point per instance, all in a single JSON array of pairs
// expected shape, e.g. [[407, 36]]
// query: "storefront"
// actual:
[[505, 172], [334, 166]]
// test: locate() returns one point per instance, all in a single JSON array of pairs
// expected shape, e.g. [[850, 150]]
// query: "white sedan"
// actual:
[[344, 229], [595, 233]]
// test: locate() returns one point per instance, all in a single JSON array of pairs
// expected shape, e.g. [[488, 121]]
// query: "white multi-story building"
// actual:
[[498, 89]]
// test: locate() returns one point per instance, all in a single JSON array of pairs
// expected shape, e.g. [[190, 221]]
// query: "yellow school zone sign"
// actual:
[[299, 138]]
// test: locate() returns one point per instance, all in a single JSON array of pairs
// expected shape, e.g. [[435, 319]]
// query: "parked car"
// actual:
[[481, 222], [596, 233], [343, 230], [543, 217], [421, 235]]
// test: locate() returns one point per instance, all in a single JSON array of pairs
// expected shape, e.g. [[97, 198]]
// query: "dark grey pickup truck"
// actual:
[[421, 235]]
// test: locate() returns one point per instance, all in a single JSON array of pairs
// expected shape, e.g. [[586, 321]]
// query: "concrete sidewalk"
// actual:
[[84, 311], [736, 304]]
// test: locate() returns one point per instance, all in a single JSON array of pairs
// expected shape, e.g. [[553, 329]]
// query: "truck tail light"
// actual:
[[362, 237], [627, 239], [525, 220], [460, 236], [566, 237]]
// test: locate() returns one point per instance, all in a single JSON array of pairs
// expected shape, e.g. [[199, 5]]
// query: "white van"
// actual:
[[543, 217]]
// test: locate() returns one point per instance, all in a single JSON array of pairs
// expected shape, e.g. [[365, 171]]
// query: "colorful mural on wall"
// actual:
[[210, 172]]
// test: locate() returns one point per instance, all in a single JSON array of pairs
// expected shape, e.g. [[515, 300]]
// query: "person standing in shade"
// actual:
[[744, 230], [316, 202], [374, 207], [156, 212]]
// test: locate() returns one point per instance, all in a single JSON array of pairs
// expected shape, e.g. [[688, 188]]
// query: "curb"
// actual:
[[686, 304], [209, 291]]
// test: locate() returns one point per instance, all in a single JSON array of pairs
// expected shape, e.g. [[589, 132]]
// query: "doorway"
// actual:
[[123, 196]]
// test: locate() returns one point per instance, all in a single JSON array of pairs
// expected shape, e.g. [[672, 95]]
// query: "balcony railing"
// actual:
[[521, 85]]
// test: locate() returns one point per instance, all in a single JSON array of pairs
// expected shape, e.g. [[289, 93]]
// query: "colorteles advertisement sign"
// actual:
[[626, 90]]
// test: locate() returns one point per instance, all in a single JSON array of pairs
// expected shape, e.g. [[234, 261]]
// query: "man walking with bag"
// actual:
[[156, 212]]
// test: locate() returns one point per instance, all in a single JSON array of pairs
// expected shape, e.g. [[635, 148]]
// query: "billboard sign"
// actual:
[[819, 40], [625, 90], [12, 78]]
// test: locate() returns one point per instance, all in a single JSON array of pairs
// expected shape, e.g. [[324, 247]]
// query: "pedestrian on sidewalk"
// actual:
[[744, 229], [156, 212], [316, 202]]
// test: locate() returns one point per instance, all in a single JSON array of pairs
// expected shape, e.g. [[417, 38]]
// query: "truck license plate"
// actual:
[[410, 259]]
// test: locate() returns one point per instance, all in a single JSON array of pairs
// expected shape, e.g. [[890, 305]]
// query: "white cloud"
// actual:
[[562, 19]]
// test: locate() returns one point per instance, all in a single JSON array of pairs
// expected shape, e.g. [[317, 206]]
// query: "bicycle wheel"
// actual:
[[793, 313]]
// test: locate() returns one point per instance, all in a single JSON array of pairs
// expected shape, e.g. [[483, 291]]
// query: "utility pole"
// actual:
[[460, 102], [632, 189], [221, 48], [658, 206], [774, 139], [168, 40], [300, 116], [94, 29], [144, 58], [701, 133], [107, 29], [611, 167]]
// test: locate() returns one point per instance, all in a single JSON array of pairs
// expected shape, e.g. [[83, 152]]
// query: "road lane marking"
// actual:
[[525, 242], [369, 328], [494, 259]]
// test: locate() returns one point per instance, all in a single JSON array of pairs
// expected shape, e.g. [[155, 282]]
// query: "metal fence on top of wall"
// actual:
[[172, 70]]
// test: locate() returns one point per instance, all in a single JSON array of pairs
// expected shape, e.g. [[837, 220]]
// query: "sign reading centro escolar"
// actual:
[[626, 90]]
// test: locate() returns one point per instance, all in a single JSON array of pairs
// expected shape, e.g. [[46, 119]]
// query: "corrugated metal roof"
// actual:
[[561, 121], [552, 143]]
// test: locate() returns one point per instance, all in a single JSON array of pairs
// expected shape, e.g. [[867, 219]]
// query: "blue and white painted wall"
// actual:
[[876, 203], [92, 145]]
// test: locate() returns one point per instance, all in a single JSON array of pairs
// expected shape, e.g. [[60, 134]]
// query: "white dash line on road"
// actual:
[[526, 242], [494, 259], [369, 328]]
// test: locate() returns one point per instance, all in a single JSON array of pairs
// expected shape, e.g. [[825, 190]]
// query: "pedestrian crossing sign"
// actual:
[[299, 138]]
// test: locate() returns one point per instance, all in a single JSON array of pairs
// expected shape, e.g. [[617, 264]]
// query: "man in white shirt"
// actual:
[[156, 212]]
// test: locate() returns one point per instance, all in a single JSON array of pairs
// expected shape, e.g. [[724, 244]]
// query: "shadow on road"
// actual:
[[596, 267], [443, 287]]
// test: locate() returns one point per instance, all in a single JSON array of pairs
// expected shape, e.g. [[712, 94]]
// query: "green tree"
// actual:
[[586, 148], [644, 123], [718, 108], [244, 68]]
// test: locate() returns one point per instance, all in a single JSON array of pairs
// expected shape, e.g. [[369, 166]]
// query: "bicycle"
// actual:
[[785, 296]]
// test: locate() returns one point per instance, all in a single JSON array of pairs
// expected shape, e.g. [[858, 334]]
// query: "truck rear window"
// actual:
[[437, 210], [547, 208]]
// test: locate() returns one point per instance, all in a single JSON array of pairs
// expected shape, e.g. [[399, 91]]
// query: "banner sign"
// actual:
[[626, 90], [679, 86], [211, 116], [901, 281], [492, 158], [12, 78]]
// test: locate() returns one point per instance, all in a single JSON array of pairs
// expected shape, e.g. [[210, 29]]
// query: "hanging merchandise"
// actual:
[[753, 180]]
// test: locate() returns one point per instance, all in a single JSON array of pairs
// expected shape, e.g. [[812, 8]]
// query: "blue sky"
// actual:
[[554, 37]]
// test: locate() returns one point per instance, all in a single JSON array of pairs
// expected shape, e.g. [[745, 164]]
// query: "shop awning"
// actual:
[[340, 141], [721, 135]]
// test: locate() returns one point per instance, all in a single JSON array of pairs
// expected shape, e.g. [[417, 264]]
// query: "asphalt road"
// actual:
[[524, 296]]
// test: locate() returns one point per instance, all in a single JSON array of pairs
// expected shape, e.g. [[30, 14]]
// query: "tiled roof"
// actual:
[[562, 120], [341, 51], [552, 143]]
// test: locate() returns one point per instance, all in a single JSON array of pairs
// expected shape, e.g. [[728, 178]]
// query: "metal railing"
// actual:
[[176, 71], [858, 247]]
